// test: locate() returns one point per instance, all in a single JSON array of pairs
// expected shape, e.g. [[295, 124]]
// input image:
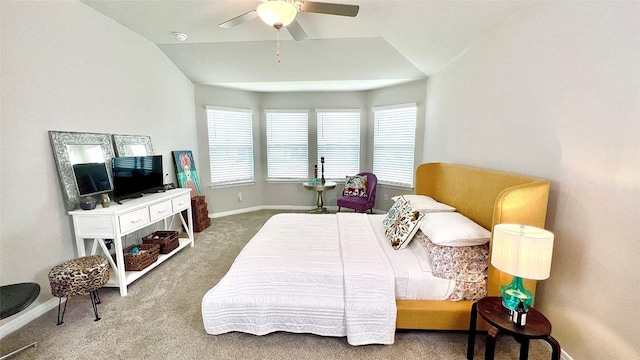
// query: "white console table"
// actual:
[[118, 220]]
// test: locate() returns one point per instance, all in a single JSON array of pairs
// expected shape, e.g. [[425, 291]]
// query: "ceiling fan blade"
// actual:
[[249, 15], [296, 31], [329, 8]]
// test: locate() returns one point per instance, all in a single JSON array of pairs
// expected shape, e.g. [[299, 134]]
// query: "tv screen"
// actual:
[[134, 176], [91, 178]]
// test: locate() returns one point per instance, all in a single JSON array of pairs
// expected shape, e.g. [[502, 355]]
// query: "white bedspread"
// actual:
[[319, 274]]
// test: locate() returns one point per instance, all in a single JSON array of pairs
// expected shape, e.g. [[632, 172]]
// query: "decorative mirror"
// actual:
[[132, 145], [84, 164]]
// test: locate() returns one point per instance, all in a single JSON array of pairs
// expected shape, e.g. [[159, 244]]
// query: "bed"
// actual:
[[335, 275]]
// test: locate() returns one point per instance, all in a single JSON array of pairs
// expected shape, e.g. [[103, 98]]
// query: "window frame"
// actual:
[[242, 114], [357, 168], [303, 172], [407, 178]]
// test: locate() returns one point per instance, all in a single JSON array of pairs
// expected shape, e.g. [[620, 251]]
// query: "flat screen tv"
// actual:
[[134, 176], [91, 178]]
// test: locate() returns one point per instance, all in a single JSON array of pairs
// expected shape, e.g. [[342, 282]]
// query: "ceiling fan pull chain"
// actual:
[[278, 44]]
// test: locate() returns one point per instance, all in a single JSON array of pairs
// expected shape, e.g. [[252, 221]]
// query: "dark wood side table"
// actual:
[[492, 311]]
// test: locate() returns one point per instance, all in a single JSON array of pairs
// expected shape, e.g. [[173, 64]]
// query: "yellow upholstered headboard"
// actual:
[[487, 197]]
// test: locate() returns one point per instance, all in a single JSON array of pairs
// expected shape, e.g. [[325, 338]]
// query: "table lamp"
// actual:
[[524, 252]]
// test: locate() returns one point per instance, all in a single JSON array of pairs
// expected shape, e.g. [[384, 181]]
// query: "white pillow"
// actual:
[[425, 203], [453, 229]]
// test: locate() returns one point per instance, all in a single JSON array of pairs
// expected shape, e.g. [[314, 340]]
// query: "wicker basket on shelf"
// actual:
[[167, 239], [147, 254]]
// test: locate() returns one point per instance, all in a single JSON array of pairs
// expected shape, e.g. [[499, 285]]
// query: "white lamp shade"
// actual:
[[523, 251], [277, 12]]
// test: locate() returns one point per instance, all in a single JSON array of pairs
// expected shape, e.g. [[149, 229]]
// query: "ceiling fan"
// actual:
[[282, 13]]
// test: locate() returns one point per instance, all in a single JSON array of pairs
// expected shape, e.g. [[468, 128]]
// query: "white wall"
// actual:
[[555, 92], [66, 67]]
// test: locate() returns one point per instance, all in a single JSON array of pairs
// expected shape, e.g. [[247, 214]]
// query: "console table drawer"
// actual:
[[160, 211], [181, 202], [100, 226], [134, 219]]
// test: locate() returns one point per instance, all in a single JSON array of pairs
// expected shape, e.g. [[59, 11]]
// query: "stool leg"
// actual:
[[98, 297], [94, 303], [61, 316]]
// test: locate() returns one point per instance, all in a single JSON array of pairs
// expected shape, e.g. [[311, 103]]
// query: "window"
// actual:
[[230, 145], [287, 144], [339, 142], [394, 136]]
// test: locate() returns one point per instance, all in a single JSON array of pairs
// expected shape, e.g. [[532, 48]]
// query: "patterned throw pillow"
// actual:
[[461, 263], [402, 225], [355, 186], [467, 265], [393, 212]]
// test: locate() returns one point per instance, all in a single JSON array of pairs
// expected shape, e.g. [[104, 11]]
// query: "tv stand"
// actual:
[[118, 220]]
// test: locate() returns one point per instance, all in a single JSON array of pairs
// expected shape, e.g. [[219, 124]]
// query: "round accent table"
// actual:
[[491, 310], [328, 185]]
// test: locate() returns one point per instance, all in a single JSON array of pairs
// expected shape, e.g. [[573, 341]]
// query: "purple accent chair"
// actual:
[[359, 203]]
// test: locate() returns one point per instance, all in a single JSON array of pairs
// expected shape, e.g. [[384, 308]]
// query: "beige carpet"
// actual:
[[161, 319]]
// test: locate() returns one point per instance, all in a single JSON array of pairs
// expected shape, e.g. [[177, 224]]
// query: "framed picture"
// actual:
[[186, 171]]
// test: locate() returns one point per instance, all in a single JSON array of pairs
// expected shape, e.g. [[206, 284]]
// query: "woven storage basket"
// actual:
[[167, 239], [147, 255]]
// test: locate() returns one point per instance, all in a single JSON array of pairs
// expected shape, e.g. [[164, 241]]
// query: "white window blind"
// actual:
[[230, 145], [394, 136], [287, 144], [339, 142]]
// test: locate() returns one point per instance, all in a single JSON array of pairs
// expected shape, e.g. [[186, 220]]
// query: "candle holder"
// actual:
[[322, 163]]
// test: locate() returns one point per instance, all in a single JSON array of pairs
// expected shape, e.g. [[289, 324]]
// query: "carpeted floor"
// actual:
[[160, 318]]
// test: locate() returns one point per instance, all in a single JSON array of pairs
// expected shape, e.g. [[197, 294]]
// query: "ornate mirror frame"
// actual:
[[59, 142], [120, 143]]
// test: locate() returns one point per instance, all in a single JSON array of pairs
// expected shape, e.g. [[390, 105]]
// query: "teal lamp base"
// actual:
[[515, 292]]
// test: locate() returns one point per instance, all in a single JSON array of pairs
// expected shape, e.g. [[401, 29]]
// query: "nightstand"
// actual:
[[492, 311]]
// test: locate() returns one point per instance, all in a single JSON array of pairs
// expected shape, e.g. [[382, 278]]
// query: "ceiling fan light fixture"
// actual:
[[277, 13]]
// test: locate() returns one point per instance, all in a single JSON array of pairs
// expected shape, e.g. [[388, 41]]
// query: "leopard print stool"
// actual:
[[81, 276]]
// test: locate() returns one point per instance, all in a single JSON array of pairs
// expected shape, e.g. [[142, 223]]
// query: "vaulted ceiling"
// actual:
[[387, 43]]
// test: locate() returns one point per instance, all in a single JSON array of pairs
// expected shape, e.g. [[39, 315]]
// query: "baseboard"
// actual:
[[261, 207], [565, 356], [26, 317], [276, 207]]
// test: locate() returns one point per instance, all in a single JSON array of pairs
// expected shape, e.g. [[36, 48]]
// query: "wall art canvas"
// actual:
[[186, 171]]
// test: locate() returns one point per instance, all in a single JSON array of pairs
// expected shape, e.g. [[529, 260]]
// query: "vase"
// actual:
[[87, 203], [105, 200]]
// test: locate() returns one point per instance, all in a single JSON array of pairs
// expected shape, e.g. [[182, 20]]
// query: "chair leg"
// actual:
[[61, 315], [95, 300], [338, 208]]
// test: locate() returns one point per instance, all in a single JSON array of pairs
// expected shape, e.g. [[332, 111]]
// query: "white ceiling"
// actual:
[[387, 43]]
